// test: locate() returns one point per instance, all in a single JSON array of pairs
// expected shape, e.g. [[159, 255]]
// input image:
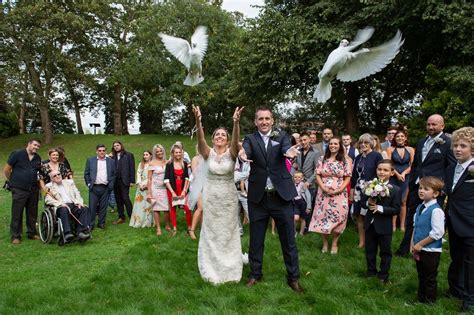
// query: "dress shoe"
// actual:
[[295, 286], [68, 237], [119, 221], [34, 237], [251, 282], [398, 253], [83, 236], [101, 226], [466, 308], [384, 281], [16, 241], [451, 295]]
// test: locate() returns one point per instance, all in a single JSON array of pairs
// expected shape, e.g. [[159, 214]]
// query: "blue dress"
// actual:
[[401, 164]]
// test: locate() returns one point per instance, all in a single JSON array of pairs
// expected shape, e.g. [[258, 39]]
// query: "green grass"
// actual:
[[131, 271]]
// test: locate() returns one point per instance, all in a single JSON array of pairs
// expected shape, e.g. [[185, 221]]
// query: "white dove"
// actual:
[[189, 55], [346, 65]]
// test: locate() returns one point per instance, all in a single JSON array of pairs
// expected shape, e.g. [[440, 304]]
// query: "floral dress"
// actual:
[[330, 212], [158, 189], [142, 215]]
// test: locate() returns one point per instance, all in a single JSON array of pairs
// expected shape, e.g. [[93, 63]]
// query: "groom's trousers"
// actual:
[[272, 205]]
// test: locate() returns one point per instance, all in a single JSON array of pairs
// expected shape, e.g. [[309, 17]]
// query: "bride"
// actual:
[[219, 251]]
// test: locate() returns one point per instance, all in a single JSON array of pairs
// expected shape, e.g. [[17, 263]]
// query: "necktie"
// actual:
[[426, 148], [422, 207], [457, 174]]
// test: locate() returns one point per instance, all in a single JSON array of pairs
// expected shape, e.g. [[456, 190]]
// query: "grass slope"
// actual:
[[131, 271]]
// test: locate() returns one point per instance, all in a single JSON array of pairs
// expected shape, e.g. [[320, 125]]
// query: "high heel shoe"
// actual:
[[158, 231], [167, 228], [333, 251], [173, 233], [324, 250]]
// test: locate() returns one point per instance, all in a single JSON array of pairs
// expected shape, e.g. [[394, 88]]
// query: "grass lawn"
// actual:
[[131, 271]]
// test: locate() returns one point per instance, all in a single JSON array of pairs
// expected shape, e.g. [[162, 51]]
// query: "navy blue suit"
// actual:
[[438, 159], [460, 218], [125, 176], [99, 194], [270, 162]]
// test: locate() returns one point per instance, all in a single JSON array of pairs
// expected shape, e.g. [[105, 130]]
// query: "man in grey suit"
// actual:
[[307, 162], [388, 139], [100, 178]]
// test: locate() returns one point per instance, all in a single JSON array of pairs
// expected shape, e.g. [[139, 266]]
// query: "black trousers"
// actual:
[[381, 242], [98, 201], [82, 214], [461, 269], [122, 198], [28, 201], [412, 203], [272, 205], [427, 268]]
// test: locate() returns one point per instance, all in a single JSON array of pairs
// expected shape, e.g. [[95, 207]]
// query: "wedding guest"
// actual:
[[125, 172], [63, 159], [302, 201], [378, 148], [402, 156], [391, 131], [21, 170], [460, 190], [350, 150], [322, 146], [52, 164], [157, 193], [333, 174], [186, 157], [428, 232], [296, 136], [378, 224], [196, 162], [313, 139], [433, 155], [177, 183], [99, 175], [141, 214], [365, 166]]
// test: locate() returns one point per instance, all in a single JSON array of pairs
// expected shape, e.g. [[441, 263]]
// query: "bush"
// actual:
[[8, 125]]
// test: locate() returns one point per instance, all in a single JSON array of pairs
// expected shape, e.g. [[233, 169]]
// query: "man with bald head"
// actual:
[[433, 155]]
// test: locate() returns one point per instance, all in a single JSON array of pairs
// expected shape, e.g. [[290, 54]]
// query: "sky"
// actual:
[[244, 6]]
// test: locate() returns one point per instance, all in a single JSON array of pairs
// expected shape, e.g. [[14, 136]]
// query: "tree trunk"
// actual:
[[351, 122], [42, 103], [124, 115], [117, 110], [21, 117], [3, 99], [77, 107]]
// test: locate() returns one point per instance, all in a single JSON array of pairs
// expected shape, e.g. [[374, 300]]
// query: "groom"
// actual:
[[270, 192]]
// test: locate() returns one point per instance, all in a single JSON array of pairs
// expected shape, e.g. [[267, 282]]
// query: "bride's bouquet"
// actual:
[[376, 189]]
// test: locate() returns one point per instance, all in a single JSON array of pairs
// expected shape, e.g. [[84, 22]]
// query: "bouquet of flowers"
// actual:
[[376, 189]]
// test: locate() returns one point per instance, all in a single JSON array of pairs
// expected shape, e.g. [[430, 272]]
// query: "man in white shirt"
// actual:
[[64, 196]]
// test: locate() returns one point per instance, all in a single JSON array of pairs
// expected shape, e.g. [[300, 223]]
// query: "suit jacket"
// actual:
[[436, 162], [383, 221], [125, 168], [90, 173], [55, 199], [309, 166], [319, 146], [460, 207], [268, 162], [385, 145]]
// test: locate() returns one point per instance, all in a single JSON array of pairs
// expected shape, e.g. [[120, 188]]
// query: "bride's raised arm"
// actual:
[[203, 148], [234, 144]]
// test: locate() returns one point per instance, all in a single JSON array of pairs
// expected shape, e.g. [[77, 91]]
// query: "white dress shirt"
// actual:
[[101, 178]]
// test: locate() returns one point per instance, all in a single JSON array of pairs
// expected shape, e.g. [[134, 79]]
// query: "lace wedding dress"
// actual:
[[220, 251]]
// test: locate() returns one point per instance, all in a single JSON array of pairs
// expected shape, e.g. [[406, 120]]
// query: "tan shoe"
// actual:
[[119, 221], [16, 241], [34, 237]]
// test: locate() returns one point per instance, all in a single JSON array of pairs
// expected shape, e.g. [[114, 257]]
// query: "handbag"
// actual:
[[178, 201]]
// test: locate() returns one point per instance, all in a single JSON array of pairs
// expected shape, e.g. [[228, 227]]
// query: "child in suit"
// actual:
[[460, 218], [378, 225], [302, 202], [426, 244]]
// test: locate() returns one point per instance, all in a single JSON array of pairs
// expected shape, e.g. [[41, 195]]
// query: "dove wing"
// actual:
[[366, 62], [361, 37], [199, 38], [178, 47]]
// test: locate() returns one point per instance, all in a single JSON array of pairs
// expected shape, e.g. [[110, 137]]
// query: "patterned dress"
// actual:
[[141, 215], [330, 212], [158, 189]]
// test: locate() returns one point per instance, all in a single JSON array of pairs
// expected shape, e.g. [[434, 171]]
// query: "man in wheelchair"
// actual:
[[64, 196]]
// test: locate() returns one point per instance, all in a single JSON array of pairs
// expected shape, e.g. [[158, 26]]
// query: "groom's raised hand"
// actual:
[[292, 152]]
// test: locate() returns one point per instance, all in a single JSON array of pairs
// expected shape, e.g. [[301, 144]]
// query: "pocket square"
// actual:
[[437, 151], [274, 143], [469, 181]]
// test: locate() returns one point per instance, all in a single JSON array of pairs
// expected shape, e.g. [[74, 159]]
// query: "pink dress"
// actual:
[[158, 188], [330, 212]]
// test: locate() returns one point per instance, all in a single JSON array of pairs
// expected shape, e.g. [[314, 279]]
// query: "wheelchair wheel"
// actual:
[[46, 226]]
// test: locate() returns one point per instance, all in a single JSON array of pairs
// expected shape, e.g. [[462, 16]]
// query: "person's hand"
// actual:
[[197, 112], [243, 156], [351, 195], [183, 194], [402, 177], [64, 206], [79, 205], [306, 185], [308, 211], [293, 151], [371, 201], [173, 194], [237, 113], [417, 248], [373, 207]]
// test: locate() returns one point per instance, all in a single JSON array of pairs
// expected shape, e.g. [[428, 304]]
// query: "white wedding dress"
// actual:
[[220, 250]]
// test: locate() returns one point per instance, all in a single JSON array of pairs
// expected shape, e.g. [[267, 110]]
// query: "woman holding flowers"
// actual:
[[333, 174], [365, 165]]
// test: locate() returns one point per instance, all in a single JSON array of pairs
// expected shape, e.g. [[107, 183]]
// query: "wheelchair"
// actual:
[[51, 227]]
